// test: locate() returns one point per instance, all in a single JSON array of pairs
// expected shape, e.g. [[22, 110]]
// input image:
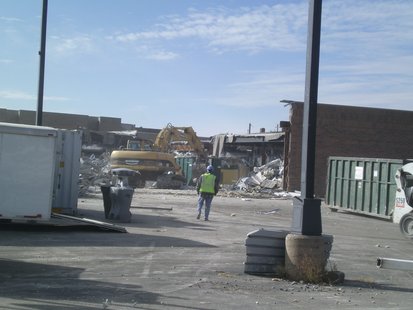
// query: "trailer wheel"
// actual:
[[406, 225]]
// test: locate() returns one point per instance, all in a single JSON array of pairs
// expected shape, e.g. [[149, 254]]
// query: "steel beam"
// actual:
[[392, 263]]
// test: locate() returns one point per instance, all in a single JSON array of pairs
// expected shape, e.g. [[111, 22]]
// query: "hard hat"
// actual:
[[210, 168]]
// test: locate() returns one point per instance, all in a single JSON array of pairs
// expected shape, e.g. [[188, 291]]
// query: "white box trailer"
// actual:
[[39, 171]]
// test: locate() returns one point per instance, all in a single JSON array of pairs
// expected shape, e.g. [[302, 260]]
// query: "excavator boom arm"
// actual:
[[185, 135]]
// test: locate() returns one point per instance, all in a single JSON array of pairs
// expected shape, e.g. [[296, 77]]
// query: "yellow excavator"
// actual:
[[156, 161], [180, 140]]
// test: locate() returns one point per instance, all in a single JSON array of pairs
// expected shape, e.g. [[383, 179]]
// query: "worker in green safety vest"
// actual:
[[206, 187]]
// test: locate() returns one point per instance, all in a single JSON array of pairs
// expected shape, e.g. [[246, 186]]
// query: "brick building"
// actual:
[[346, 131]]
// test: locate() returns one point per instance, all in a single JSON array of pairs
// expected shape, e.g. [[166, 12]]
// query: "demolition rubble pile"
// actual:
[[264, 182], [266, 179], [94, 171]]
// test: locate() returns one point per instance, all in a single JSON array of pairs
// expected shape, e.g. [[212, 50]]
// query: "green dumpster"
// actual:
[[362, 185]]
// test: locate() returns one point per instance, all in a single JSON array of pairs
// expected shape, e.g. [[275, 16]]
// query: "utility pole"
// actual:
[[306, 209], [306, 250], [42, 54]]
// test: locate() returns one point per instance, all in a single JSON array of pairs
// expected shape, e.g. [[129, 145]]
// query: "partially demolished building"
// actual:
[[251, 161], [256, 148], [344, 131]]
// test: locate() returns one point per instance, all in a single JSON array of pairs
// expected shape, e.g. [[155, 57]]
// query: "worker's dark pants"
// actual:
[[207, 198]]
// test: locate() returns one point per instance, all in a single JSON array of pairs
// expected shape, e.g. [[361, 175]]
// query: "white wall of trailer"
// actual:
[[39, 170]]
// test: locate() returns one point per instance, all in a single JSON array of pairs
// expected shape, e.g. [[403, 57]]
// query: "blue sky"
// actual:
[[214, 65]]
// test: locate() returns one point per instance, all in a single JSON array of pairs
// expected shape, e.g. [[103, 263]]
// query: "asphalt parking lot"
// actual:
[[170, 260]]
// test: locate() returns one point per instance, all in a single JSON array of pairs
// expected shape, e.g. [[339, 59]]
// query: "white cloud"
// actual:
[[152, 53], [16, 95], [366, 49], [55, 98], [279, 27], [347, 27], [162, 55], [6, 61], [10, 19], [261, 89], [355, 95], [81, 43], [20, 95], [374, 26]]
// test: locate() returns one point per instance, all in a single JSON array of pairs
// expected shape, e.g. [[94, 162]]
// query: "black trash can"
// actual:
[[105, 189], [121, 199]]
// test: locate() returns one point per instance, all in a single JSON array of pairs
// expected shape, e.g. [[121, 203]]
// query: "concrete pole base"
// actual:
[[306, 257]]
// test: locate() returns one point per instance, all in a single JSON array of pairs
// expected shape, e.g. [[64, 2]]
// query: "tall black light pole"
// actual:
[[42, 54], [306, 209]]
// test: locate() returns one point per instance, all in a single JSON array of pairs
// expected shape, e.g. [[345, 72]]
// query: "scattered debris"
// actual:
[[106, 303], [94, 171], [274, 211], [264, 182]]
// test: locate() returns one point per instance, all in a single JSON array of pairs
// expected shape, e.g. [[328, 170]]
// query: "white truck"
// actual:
[[403, 208]]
